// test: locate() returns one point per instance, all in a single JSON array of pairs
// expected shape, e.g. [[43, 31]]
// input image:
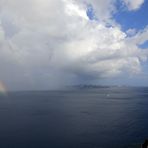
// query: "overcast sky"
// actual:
[[47, 44]]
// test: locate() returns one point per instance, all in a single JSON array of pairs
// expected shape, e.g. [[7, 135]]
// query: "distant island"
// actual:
[[95, 86], [85, 86]]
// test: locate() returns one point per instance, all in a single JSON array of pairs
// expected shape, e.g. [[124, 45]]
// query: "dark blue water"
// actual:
[[86, 118]]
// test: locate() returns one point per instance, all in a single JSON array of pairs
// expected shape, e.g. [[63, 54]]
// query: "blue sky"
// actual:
[[133, 19], [91, 12], [137, 19]]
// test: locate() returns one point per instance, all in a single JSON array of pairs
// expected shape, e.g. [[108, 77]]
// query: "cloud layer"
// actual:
[[133, 4], [46, 44]]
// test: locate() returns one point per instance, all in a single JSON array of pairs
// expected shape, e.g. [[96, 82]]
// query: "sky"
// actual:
[[48, 44]]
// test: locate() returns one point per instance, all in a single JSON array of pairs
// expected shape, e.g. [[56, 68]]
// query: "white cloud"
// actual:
[[141, 36], [133, 4], [103, 8], [53, 42], [131, 32]]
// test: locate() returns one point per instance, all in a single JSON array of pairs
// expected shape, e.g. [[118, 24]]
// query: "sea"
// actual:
[[109, 117]]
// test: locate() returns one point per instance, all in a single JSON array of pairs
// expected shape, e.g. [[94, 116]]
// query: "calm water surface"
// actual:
[[86, 118]]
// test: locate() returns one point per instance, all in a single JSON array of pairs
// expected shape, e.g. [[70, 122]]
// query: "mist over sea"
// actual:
[[111, 117]]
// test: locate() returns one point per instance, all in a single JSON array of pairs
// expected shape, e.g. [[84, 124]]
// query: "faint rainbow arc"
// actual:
[[3, 89]]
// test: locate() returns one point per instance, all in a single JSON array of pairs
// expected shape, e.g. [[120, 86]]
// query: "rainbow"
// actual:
[[3, 89]]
